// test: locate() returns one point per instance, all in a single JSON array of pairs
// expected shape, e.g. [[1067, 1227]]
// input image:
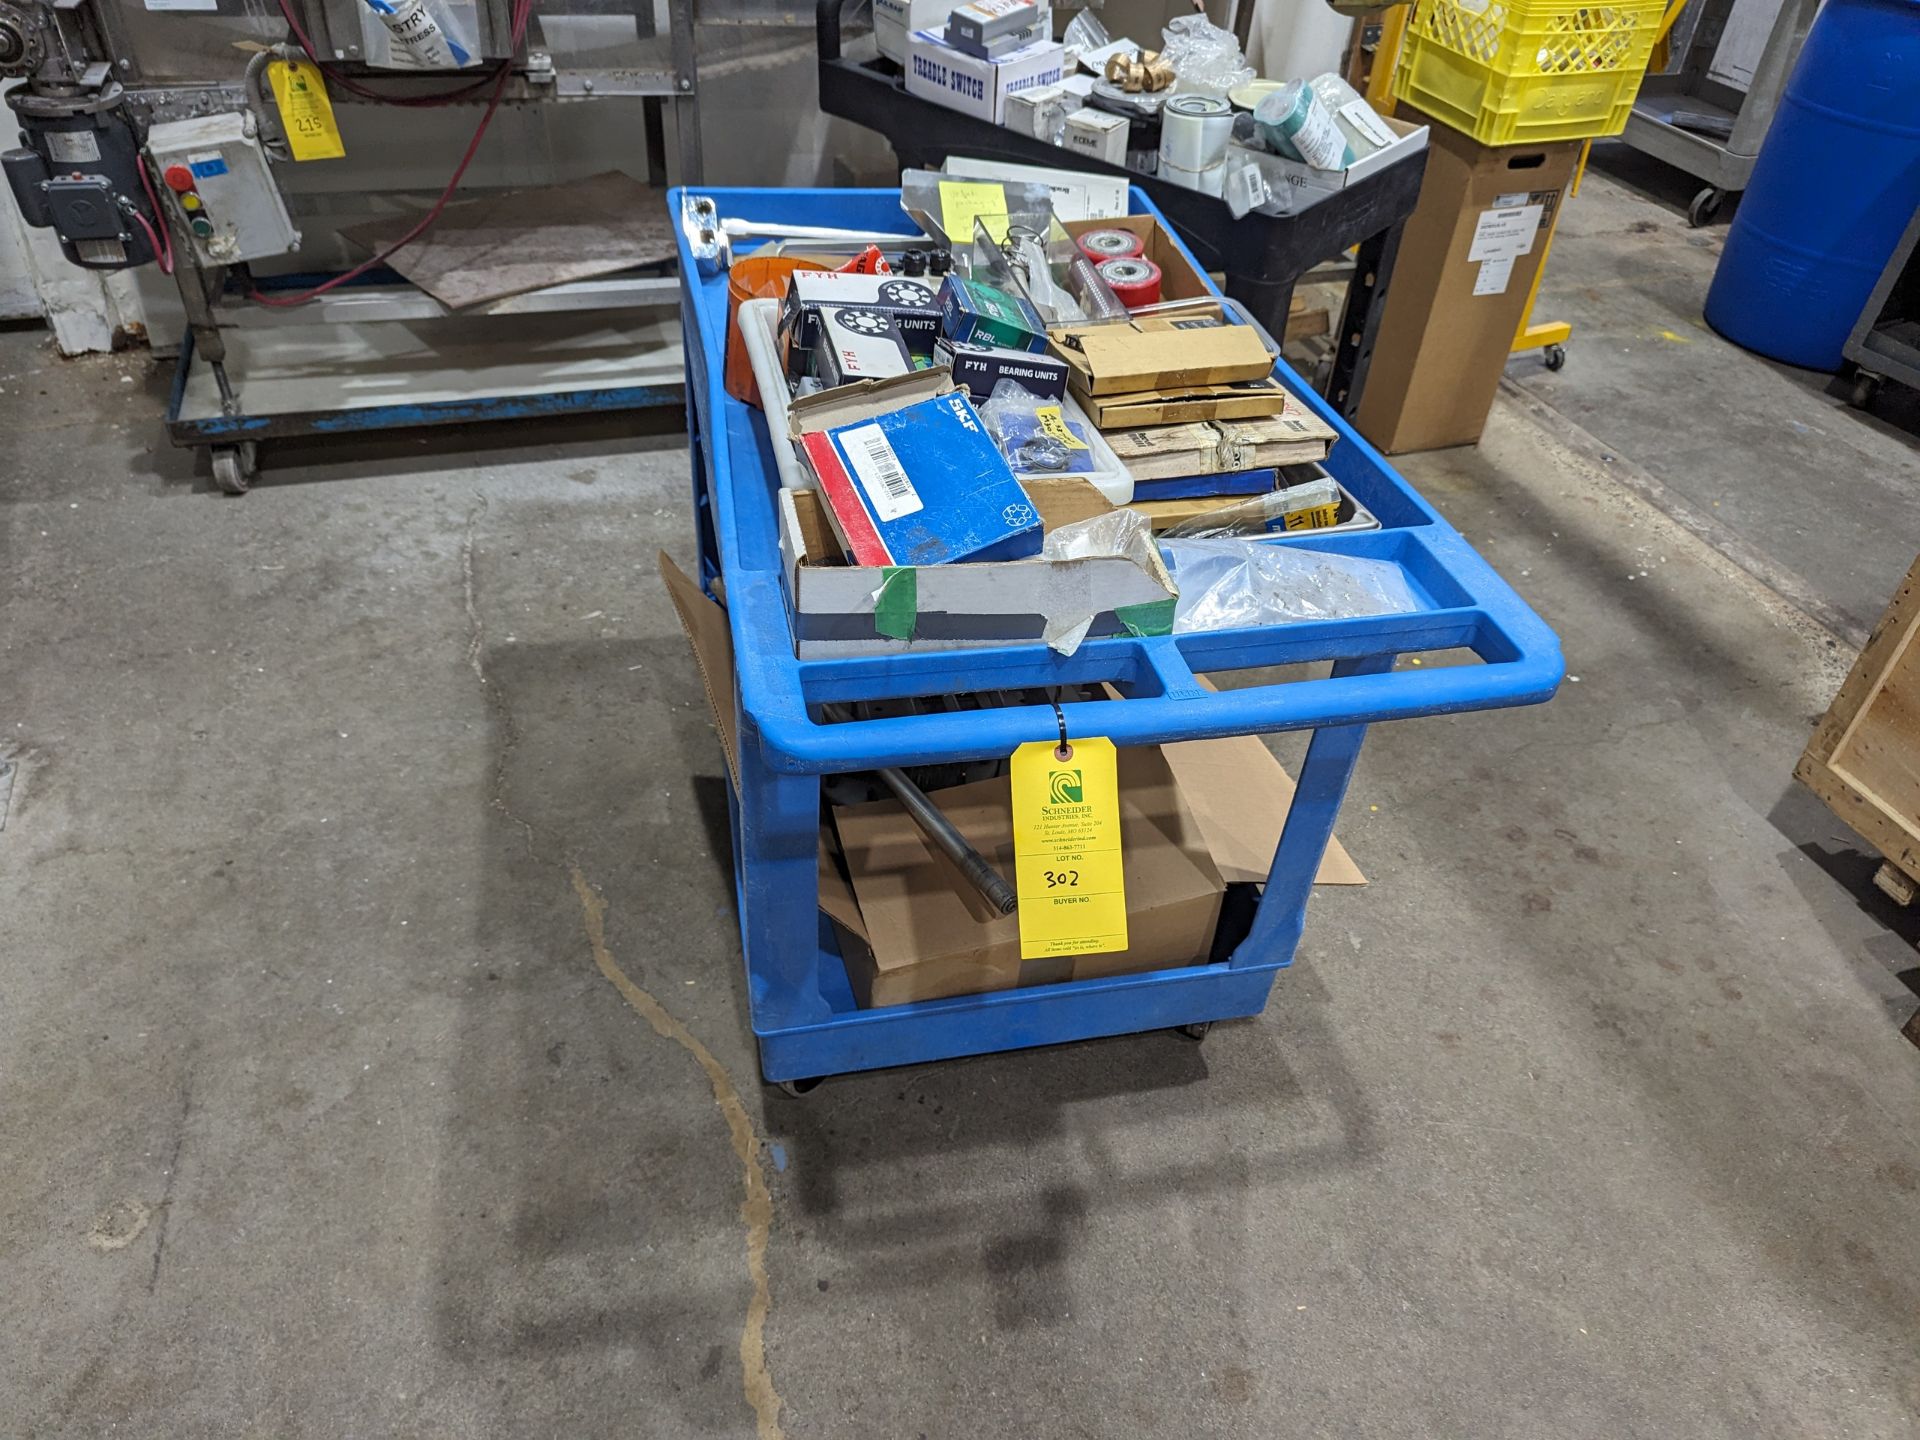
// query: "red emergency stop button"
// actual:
[[178, 178]]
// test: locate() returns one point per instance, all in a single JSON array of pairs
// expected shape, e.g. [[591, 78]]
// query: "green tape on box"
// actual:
[[1150, 617], [896, 609]]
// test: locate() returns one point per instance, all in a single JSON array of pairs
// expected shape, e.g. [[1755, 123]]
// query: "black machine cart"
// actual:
[[1262, 256]]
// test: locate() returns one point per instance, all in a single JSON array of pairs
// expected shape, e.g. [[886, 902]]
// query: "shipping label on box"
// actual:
[[922, 485], [938, 72]]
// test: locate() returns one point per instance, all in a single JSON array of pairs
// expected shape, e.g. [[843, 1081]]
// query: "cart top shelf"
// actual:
[[1465, 606]]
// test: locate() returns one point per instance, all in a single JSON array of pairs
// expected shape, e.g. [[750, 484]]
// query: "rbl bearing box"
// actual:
[[978, 368], [972, 311], [938, 72]]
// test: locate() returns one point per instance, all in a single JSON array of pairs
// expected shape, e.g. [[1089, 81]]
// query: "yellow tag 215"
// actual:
[[305, 111], [1066, 849]]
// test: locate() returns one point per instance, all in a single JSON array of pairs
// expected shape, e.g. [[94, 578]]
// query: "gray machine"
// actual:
[[147, 130], [1708, 111]]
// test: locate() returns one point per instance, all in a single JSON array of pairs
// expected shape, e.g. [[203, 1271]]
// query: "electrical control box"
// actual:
[[220, 188]]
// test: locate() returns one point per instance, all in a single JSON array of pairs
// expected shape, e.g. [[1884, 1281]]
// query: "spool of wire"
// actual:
[[1134, 280], [1194, 132], [1100, 245]]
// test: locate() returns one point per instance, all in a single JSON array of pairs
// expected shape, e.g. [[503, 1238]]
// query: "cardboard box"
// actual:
[[1296, 185], [1096, 135], [1002, 45], [1156, 353], [1180, 279], [911, 477], [895, 20], [1229, 804], [1467, 263], [1246, 400], [979, 21], [978, 368], [938, 72], [1159, 452]]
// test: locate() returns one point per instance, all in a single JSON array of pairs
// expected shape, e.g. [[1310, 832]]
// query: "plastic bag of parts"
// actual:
[[1231, 584], [1312, 506], [427, 34], [1084, 32], [922, 196], [1035, 434], [1358, 122], [1205, 58]]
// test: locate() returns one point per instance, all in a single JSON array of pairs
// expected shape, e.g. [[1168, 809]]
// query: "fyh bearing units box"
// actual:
[[938, 72], [858, 342], [912, 304], [978, 368]]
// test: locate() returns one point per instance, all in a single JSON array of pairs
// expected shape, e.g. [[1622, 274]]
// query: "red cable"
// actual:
[[522, 12], [162, 251]]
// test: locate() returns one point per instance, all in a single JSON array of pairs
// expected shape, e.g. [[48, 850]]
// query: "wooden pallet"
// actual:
[[1864, 757]]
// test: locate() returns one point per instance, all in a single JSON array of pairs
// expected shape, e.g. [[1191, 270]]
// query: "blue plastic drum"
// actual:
[[1837, 180]]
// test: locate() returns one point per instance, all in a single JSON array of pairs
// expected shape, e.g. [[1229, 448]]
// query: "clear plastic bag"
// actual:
[[1231, 584], [1034, 433], [1084, 32], [1358, 121], [1206, 59], [1124, 533]]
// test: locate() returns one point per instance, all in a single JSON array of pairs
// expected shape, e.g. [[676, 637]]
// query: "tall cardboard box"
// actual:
[[1467, 261]]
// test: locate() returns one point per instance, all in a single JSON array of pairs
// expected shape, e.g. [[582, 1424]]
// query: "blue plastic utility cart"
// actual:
[[803, 1009]]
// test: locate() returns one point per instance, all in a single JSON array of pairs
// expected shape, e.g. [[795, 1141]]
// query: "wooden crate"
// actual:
[[1864, 758]]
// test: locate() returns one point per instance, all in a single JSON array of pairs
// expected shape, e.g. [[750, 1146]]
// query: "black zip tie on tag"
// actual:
[[1063, 751]]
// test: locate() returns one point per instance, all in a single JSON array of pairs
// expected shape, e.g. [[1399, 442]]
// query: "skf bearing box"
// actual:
[[938, 72], [978, 368], [912, 304], [895, 20], [858, 342], [982, 20], [918, 483], [971, 311]]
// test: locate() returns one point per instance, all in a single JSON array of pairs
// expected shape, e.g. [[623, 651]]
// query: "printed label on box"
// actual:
[[1494, 277], [881, 474], [1505, 232]]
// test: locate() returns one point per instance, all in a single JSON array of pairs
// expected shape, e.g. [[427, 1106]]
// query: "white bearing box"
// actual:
[[1097, 135], [895, 20], [938, 72]]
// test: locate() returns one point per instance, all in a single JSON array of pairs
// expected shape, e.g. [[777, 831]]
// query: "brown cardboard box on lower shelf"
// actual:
[[1466, 265], [1196, 816]]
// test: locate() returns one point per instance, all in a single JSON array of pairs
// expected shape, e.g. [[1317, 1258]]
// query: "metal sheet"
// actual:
[[521, 240]]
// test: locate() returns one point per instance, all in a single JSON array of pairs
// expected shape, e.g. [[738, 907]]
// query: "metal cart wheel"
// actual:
[[234, 466], [1866, 387], [799, 1088], [1195, 1032], [1555, 357], [1705, 206]]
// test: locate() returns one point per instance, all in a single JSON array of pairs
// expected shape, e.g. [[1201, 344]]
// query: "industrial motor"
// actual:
[[78, 174]]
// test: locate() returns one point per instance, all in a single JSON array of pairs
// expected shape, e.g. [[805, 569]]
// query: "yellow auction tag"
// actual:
[[962, 200], [305, 111], [1314, 517], [1066, 849], [1054, 425]]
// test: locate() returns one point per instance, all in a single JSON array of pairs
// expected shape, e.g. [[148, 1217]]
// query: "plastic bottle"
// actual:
[[1296, 123]]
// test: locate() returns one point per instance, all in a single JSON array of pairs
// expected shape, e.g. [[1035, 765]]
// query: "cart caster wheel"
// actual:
[[1555, 357], [234, 467], [1866, 386], [1195, 1033], [798, 1088], [1705, 206]]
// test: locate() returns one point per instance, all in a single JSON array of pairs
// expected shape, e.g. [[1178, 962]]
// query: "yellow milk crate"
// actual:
[[1516, 72]]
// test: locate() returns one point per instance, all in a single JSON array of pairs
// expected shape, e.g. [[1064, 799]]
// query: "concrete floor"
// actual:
[[373, 1057]]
